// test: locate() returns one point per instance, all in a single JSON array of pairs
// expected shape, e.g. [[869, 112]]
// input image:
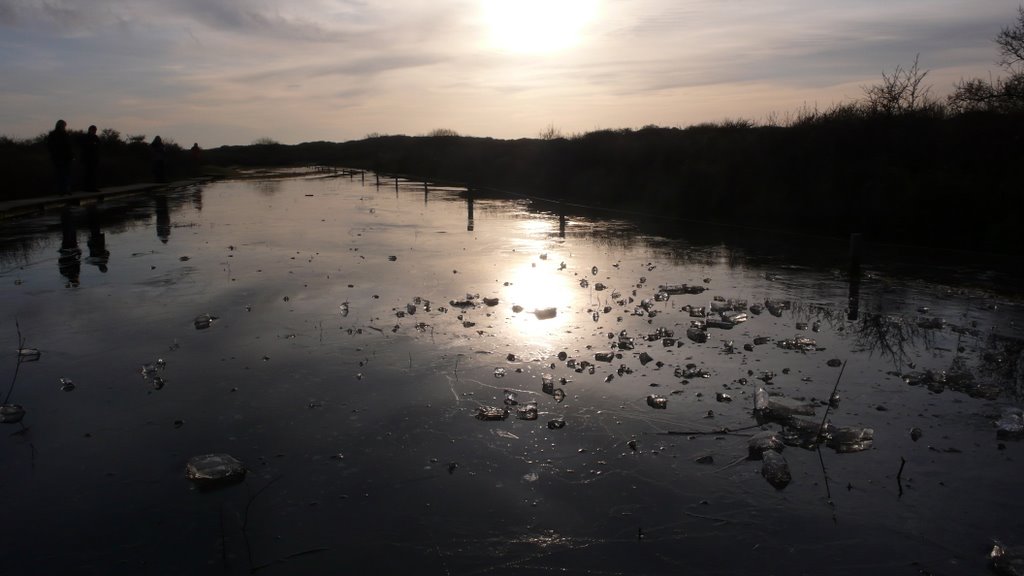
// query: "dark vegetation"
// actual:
[[122, 160], [897, 165]]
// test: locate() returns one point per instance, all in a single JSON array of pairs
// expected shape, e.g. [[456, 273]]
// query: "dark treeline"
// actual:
[[917, 178], [28, 170]]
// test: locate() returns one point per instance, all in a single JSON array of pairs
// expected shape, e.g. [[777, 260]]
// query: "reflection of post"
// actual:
[[856, 247], [561, 220], [197, 199], [69, 263], [98, 253], [469, 210], [163, 219]]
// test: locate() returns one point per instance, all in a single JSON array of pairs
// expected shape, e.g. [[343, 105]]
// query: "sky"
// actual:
[[221, 72]]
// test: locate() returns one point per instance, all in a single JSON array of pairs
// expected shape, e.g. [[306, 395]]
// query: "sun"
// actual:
[[537, 26]]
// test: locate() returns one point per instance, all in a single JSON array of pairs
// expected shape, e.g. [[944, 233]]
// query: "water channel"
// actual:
[[345, 341]]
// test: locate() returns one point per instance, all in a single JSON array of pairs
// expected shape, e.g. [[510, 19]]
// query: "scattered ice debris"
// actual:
[[697, 333], [775, 307], [559, 395], [762, 442], [344, 308], [778, 408], [1010, 424], [599, 287], [491, 301], [499, 372], [848, 439], [1006, 561], [545, 313], [645, 358], [66, 384], [722, 397], [491, 413], [547, 383], [691, 371], [656, 401], [213, 470], [775, 469], [556, 424], [915, 434], [584, 283], [203, 321], [604, 356], [798, 343], [756, 309], [11, 413], [593, 270], [517, 308], [527, 411], [510, 398], [28, 354], [681, 289], [835, 362]]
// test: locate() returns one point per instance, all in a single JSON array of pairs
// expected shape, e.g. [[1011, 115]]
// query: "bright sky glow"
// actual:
[[537, 26], [231, 71]]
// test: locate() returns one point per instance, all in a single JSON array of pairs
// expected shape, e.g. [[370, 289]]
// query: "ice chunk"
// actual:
[[775, 469], [213, 470], [11, 413], [656, 401], [491, 413]]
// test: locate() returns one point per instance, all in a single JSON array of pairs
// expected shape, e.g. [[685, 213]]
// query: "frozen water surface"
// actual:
[[341, 339]]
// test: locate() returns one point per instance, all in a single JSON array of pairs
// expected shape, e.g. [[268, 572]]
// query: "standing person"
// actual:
[[90, 145], [157, 150], [197, 157], [59, 144]]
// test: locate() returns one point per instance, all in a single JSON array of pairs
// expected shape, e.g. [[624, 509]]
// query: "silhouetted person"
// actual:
[[98, 253], [58, 142], [163, 219], [69, 262], [196, 153], [90, 146], [156, 149]]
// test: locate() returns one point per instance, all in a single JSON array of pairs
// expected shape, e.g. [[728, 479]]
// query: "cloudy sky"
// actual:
[[231, 71]]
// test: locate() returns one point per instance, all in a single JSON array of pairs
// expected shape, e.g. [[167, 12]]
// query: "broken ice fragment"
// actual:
[[545, 313], [775, 469], [11, 413], [203, 321], [213, 470], [848, 439], [499, 372], [556, 424], [763, 442], [28, 354], [559, 395], [1010, 424], [66, 384], [528, 411], [491, 413], [656, 401]]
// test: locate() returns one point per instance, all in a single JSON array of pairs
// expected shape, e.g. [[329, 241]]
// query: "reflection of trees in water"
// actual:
[[889, 335]]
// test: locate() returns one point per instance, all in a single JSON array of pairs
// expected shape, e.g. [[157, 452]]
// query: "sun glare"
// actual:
[[537, 26]]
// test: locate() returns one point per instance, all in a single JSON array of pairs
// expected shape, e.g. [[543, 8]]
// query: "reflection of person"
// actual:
[[58, 142], [157, 151], [69, 263], [163, 219], [90, 145], [98, 253]]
